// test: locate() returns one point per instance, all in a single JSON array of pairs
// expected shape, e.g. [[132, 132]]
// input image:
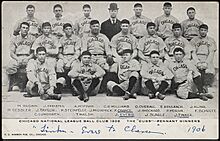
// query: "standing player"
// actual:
[[124, 40], [190, 27], [205, 50], [58, 22], [50, 42], [20, 52], [111, 26], [35, 24], [97, 44], [86, 76], [178, 41], [126, 84], [82, 24], [185, 76], [42, 77], [149, 43], [139, 22], [156, 77], [68, 53], [164, 23]]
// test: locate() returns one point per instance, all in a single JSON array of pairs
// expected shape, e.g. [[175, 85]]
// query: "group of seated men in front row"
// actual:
[[46, 65]]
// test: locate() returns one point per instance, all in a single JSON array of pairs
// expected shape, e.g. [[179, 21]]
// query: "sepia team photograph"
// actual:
[[116, 61]]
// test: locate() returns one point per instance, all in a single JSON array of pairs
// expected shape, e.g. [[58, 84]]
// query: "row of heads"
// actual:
[[124, 21]]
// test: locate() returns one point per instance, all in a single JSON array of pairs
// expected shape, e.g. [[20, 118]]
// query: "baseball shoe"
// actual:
[[209, 96], [151, 96], [80, 97], [134, 96], [126, 96], [15, 88], [56, 96], [160, 96], [45, 97], [27, 95], [86, 98], [203, 97]]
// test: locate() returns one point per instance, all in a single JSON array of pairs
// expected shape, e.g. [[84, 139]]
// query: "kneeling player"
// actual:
[[42, 77], [86, 76], [156, 76], [127, 75], [185, 76]]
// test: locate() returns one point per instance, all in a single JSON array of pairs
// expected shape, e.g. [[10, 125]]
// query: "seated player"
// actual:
[[127, 71], [156, 77], [68, 53], [185, 77], [20, 52], [41, 77], [86, 76], [205, 47]]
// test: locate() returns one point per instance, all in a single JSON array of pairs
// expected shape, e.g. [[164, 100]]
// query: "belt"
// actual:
[[22, 54]]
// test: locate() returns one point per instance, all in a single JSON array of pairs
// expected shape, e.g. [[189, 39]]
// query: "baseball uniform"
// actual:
[[57, 26], [138, 25], [51, 44], [35, 26], [190, 28], [203, 46], [164, 25], [42, 73], [150, 70], [82, 26], [70, 49], [149, 43], [21, 46], [90, 69], [122, 42], [98, 46], [125, 70], [180, 71]]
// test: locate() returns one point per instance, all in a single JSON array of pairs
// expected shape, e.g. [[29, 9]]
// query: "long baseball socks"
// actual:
[[149, 84], [132, 82], [94, 84], [77, 83], [118, 90]]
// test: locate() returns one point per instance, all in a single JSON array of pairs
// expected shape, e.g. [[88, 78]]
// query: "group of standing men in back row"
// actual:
[[121, 58]]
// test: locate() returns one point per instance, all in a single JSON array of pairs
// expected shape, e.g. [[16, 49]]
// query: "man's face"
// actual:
[[86, 59], [113, 13], [58, 12], [154, 58], [86, 12], [177, 32], [24, 29], [125, 27], [138, 11], [95, 28], [41, 56], [126, 57], [46, 30], [178, 56], [191, 14], [203, 32], [167, 10], [151, 30], [68, 31], [30, 12]]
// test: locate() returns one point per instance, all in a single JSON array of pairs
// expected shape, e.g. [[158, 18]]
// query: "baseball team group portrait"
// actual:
[[130, 52]]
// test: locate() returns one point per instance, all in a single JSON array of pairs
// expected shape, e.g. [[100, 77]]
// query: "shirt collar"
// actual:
[[25, 37], [89, 65], [152, 65]]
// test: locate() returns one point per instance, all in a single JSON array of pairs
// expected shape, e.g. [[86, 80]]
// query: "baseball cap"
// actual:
[[204, 26], [67, 25], [150, 24], [125, 21], [167, 4], [46, 24], [113, 6], [94, 22], [176, 25], [86, 53], [154, 52], [138, 5]]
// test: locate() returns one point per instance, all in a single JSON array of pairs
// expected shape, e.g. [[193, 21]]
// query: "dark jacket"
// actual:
[[110, 29]]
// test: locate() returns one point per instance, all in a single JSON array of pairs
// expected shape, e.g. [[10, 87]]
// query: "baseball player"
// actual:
[[139, 22], [186, 77], [190, 27], [149, 43], [35, 24], [127, 70], [42, 77], [123, 40], [178, 41], [20, 52], [83, 23], [164, 23], [50, 42], [205, 47], [97, 44], [69, 52], [156, 77], [86, 76], [58, 22]]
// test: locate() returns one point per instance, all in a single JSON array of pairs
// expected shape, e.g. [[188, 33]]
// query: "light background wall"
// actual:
[[13, 11]]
